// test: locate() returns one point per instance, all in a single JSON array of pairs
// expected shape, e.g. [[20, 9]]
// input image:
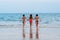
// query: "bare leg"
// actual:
[[37, 36], [23, 33], [30, 30], [23, 30]]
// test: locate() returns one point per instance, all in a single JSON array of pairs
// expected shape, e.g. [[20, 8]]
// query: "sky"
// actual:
[[29, 6]]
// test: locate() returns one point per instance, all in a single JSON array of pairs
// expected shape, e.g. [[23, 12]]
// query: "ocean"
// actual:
[[45, 19]]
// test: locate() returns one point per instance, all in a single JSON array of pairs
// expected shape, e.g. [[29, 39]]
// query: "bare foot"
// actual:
[[30, 35], [23, 35], [37, 36]]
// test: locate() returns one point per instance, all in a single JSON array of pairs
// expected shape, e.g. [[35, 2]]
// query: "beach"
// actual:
[[14, 31], [11, 27], [17, 33], [29, 19]]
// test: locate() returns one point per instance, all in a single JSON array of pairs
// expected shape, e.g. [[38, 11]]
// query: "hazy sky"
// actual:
[[29, 6]]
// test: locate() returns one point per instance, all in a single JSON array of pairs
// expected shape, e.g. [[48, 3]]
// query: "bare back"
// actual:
[[23, 18], [36, 18]]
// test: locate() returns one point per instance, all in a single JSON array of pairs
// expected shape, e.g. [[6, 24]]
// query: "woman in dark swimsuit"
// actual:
[[36, 21], [23, 21]]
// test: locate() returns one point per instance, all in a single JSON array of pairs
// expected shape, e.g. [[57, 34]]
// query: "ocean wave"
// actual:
[[46, 19]]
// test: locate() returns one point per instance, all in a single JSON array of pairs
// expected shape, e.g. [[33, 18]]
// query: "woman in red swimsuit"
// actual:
[[30, 20]]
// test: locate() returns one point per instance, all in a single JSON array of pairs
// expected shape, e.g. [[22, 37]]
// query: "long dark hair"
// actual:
[[30, 16]]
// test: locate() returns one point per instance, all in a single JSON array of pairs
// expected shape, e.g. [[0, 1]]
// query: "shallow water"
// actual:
[[17, 34]]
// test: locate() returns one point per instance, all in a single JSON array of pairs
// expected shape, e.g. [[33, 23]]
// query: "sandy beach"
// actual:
[[16, 33]]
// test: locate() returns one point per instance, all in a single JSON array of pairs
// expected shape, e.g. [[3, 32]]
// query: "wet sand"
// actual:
[[17, 33]]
